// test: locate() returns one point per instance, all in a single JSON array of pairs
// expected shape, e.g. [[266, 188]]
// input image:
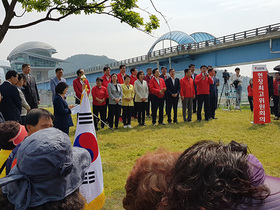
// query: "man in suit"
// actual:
[[192, 68], [213, 93], [164, 76], [54, 81], [10, 105], [30, 89], [79, 85], [173, 91]]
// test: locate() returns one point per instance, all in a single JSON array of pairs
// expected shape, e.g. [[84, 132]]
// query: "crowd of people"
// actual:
[[41, 170], [140, 96]]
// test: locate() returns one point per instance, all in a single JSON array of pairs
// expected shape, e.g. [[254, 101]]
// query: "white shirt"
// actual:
[[173, 81], [157, 80], [235, 77]]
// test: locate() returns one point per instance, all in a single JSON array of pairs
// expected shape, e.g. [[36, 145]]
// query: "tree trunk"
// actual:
[[8, 18]]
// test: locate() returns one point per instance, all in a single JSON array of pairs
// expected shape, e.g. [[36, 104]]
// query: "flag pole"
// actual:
[[98, 117]]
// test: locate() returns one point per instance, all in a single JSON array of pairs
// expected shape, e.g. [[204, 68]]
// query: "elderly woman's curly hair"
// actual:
[[149, 179], [212, 176]]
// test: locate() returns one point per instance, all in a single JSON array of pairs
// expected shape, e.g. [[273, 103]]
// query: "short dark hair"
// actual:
[[277, 73], [154, 70], [150, 68], [105, 68], [10, 74], [171, 70], [191, 65], [60, 87], [236, 69], [132, 69], [122, 66], [58, 69], [22, 76], [8, 130], [138, 74], [203, 66], [99, 79], [24, 65], [79, 71], [34, 115], [126, 76], [163, 67], [186, 70], [209, 70]]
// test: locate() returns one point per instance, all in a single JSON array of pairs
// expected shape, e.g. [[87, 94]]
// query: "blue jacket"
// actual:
[[10, 105], [214, 88], [62, 113]]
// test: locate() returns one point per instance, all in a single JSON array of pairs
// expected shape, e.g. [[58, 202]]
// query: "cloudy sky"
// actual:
[[104, 35]]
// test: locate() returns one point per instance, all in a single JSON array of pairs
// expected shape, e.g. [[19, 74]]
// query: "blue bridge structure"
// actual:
[[251, 46]]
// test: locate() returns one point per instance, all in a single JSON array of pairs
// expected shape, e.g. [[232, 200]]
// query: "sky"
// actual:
[[105, 35]]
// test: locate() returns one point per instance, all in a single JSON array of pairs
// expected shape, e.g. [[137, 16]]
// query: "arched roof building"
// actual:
[[182, 38], [38, 55]]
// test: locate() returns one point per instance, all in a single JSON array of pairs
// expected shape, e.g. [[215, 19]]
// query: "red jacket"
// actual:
[[120, 78], [148, 79], [100, 93], [78, 88], [250, 90], [275, 87], [203, 86], [187, 87], [105, 81], [132, 79], [155, 87]]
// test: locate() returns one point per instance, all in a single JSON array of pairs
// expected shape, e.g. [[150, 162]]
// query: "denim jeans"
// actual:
[[238, 95]]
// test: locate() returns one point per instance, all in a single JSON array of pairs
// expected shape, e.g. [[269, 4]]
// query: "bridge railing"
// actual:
[[189, 46]]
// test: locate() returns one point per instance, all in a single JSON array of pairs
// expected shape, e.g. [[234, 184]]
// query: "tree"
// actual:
[[56, 10]]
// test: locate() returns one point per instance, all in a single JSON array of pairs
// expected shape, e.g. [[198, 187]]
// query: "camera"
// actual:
[[225, 76]]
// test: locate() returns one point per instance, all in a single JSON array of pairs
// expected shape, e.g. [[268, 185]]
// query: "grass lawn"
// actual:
[[120, 149]]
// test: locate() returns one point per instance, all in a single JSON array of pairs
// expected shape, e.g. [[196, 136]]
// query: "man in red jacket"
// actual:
[[187, 94], [203, 82], [133, 76], [106, 80], [121, 74], [157, 87], [106, 77], [79, 85]]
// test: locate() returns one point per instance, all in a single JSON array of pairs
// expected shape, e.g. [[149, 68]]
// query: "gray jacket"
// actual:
[[114, 93]]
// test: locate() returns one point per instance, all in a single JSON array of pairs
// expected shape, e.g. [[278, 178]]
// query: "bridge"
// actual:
[[251, 46]]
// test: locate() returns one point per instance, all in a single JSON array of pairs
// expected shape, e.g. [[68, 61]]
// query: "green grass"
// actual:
[[120, 149]]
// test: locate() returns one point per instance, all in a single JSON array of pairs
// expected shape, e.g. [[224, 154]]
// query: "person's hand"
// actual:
[[164, 89], [38, 102], [194, 96], [175, 95], [143, 99], [182, 97], [71, 106], [161, 92], [116, 100]]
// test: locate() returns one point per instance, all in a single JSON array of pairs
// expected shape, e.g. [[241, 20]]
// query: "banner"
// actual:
[[260, 95], [92, 188]]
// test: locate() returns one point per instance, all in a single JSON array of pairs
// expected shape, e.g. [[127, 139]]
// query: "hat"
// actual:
[[257, 175], [48, 169], [22, 133]]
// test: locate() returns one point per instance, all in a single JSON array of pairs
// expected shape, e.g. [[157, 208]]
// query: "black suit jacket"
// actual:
[[31, 92], [62, 114], [172, 89], [10, 105]]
